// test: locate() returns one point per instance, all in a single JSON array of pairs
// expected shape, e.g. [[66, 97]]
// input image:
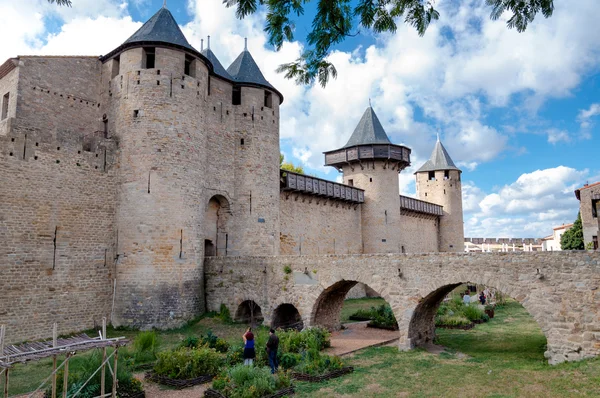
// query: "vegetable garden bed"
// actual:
[[323, 377], [210, 393], [178, 384]]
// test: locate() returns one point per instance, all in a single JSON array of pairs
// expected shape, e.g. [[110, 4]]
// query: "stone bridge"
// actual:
[[559, 289]]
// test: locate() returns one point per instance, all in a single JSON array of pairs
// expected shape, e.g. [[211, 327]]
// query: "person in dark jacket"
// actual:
[[249, 352], [482, 298], [272, 346]]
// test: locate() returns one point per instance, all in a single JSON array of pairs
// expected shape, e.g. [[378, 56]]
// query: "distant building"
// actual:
[[502, 244], [552, 242], [589, 206]]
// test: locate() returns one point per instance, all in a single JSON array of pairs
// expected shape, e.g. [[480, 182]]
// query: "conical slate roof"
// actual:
[[368, 131], [217, 66], [439, 160], [162, 27], [245, 70]]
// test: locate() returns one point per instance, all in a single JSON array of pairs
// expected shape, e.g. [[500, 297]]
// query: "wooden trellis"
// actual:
[[35, 351]]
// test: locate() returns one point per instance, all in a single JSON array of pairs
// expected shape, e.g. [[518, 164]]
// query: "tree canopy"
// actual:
[[289, 166], [61, 2], [335, 20], [572, 239]]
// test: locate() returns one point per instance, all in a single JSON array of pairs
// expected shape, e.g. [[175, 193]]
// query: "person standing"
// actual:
[[467, 298], [272, 346], [249, 351], [482, 298]]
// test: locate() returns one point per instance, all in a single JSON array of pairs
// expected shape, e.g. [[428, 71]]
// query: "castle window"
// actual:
[[148, 61], [351, 182], [432, 176], [190, 66], [242, 141], [446, 174], [208, 85], [5, 106], [116, 66], [594, 211], [136, 113], [268, 99], [236, 96]]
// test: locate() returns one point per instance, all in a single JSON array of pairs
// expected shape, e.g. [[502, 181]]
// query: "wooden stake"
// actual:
[[114, 387], [6, 383], [54, 344], [103, 371], [66, 376]]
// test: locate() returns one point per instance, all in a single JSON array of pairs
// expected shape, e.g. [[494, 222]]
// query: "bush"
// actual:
[[224, 314], [250, 382], [235, 355], [314, 363], [293, 341], [452, 320], [212, 341], [384, 317], [188, 363], [473, 312], [288, 360]]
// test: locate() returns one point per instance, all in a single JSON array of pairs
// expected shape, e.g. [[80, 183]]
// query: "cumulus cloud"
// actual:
[[529, 207], [586, 115], [556, 135]]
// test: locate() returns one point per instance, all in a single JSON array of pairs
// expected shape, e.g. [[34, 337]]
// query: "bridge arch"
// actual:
[[249, 312], [287, 316], [327, 307]]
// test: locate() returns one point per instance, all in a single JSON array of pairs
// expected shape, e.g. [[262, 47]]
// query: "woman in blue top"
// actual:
[[249, 352]]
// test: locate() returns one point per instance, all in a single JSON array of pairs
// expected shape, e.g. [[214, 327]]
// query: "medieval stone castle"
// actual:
[[121, 173]]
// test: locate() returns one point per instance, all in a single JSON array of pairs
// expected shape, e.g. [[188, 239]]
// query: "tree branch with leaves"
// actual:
[[61, 2], [335, 20]]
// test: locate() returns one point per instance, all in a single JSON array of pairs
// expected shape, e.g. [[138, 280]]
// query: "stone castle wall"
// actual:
[[312, 225], [418, 232], [8, 85], [589, 223]]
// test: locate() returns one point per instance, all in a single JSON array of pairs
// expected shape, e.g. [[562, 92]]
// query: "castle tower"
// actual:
[[371, 162], [154, 91], [256, 110], [438, 181]]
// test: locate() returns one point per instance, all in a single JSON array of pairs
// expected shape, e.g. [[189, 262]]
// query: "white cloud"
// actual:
[[585, 115], [556, 135]]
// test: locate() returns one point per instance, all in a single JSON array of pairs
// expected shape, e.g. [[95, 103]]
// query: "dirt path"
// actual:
[[356, 336], [154, 390]]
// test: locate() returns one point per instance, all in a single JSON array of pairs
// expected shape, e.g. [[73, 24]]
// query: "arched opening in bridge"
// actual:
[[516, 327], [216, 231], [249, 312], [328, 307], [286, 316]]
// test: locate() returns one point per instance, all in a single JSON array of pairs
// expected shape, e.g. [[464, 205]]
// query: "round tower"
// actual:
[[438, 181], [155, 88], [256, 111], [371, 162]]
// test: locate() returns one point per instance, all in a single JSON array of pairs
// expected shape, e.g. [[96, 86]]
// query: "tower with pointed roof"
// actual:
[[438, 181], [370, 161]]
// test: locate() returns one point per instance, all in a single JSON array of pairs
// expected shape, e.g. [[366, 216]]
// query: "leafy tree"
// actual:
[[289, 166], [335, 20], [61, 2], [572, 239]]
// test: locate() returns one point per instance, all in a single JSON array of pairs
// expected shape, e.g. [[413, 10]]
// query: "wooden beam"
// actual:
[[114, 386], [103, 371], [66, 376], [54, 344]]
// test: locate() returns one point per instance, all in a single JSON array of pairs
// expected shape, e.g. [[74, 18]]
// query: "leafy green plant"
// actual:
[[473, 312], [288, 360], [293, 341], [452, 320], [314, 363], [250, 382], [188, 363], [190, 342], [287, 269], [224, 314]]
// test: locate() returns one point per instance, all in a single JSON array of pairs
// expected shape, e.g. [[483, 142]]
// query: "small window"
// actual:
[[595, 242], [208, 85], [236, 96], [595, 207], [446, 174], [190, 66], [149, 59], [5, 100], [268, 99], [351, 182], [370, 179], [116, 67], [136, 113], [242, 141], [432, 176]]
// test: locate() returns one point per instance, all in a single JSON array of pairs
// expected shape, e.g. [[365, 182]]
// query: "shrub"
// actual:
[[188, 363], [473, 312], [190, 342], [287, 269], [288, 360], [250, 382], [235, 355], [452, 320], [384, 317], [314, 363], [210, 340], [224, 314], [293, 341]]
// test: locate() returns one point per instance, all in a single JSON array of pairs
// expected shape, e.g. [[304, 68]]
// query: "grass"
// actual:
[[503, 358], [353, 305]]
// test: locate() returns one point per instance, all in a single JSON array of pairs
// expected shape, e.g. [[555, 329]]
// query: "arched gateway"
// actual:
[[561, 290]]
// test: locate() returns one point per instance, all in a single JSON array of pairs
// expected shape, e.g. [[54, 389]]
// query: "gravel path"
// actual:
[[356, 336]]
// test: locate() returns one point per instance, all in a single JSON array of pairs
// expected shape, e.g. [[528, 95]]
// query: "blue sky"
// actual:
[[519, 113]]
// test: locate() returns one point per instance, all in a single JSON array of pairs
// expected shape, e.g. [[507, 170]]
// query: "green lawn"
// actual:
[[504, 358], [353, 305], [501, 358]]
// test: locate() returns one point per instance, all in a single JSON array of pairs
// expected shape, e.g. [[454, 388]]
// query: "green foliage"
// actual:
[[145, 347], [235, 355], [473, 312], [293, 341], [288, 360], [82, 369], [190, 342], [250, 382], [336, 20], [287, 269], [381, 316], [452, 320], [314, 363], [210, 341], [289, 166], [224, 314], [572, 239], [589, 246], [61, 2], [188, 363]]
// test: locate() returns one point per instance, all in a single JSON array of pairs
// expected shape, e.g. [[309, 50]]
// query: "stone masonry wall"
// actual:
[[561, 290], [8, 85], [588, 221], [313, 225], [419, 232], [57, 223]]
